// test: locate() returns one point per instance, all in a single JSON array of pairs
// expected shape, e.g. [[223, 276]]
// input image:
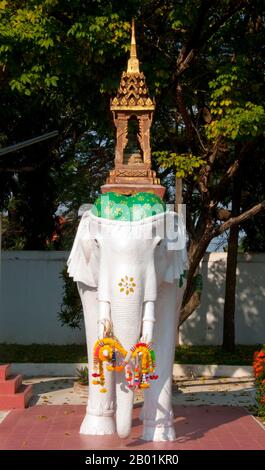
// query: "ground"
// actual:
[[199, 391], [201, 427], [220, 419]]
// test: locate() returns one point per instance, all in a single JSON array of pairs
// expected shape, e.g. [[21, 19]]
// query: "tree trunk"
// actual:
[[178, 197], [230, 283], [191, 299]]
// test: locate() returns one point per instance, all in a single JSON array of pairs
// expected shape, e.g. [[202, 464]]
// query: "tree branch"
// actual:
[[188, 51], [189, 307], [192, 131], [191, 299], [234, 7], [244, 152], [190, 223], [184, 113], [197, 252], [198, 39], [239, 219], [183, 63], [206, 170]]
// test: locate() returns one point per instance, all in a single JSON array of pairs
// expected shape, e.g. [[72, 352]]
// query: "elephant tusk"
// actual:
[[105, 324], [108, 328]]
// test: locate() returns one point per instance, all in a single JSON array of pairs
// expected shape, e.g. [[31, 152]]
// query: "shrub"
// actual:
[[82, 374], [259, 372], [71, 313]]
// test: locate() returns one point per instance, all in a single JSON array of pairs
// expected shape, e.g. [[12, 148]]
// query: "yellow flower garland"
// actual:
[[139, 362]]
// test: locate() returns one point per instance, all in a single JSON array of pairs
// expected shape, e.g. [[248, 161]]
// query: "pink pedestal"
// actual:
[[13, 394]]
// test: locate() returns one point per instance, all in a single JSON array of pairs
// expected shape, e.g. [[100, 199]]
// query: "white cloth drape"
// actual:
[[83, 262]]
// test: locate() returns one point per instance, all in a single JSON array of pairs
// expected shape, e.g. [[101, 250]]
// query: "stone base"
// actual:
[[131, 188], [140, 173]]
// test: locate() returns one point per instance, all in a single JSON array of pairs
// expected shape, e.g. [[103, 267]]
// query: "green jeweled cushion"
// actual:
[[115, 206]]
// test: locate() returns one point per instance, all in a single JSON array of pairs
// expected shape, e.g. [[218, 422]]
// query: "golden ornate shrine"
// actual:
[[132, 110]]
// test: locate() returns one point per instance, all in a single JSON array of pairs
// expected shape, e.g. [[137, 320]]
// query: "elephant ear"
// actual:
[[177, 260], [83, 260]]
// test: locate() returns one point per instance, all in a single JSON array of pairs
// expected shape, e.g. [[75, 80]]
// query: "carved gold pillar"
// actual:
[[121, 124], [145, 121]]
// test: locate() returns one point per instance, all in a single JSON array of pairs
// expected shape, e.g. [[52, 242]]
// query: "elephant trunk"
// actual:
[[130, 319], [126, 315]]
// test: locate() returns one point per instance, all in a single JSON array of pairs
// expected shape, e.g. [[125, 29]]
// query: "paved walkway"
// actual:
[[219, 419], [216, 391], [203, 427], [200, 391]]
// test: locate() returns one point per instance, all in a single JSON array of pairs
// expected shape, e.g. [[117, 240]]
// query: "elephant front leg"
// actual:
[[157, 415], [99, 418]]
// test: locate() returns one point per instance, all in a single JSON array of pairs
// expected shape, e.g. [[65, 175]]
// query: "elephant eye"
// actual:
[[96, 242]]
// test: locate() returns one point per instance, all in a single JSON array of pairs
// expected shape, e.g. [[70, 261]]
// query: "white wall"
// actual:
[[31, 291], [30, 298], [205, 326]]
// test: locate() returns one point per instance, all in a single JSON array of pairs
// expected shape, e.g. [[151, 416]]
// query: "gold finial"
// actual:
[[133, 62]]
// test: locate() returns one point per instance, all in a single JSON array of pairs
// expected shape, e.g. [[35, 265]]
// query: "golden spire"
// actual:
[[133, 62]]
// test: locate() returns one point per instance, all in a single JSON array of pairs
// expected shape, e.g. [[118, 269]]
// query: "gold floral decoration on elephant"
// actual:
[[127, 285]]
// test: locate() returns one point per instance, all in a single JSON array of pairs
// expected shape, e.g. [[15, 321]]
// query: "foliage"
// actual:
[[57, 71], [243, 355], [41, 30], [61, 62], [233, 116], [11, 231], [71, 312], [82, 375], [43, 353], [184, 165], [75, 353], [259, 372]]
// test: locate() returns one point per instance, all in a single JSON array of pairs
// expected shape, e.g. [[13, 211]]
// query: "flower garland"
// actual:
[[106, 350], [259, 372], [139, 362]]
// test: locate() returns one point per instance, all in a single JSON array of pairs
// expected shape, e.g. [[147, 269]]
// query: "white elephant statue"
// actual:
[[128, 259]]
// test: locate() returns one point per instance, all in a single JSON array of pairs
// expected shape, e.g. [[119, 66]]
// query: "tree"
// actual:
[[215, 127], [204, 63], [54, 70], [230, 279]]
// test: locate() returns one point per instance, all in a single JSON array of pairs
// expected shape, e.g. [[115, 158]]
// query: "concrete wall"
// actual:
[[31, 292], [205, 326], [30, 298]]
